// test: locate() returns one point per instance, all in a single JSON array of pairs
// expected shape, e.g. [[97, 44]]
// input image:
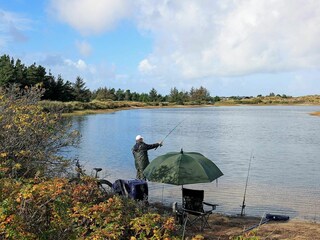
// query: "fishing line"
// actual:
[[171, 131]]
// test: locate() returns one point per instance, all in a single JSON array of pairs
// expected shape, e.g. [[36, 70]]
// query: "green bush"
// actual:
[[55, 106]]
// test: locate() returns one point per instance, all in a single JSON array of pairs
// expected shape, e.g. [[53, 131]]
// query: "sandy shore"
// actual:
[[315, 113], [227, 227], [98, 111]]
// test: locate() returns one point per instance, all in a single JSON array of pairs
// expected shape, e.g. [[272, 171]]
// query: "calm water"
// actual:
[[284, 142]]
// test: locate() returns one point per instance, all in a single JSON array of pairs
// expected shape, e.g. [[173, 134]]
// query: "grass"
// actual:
[[275, 100]]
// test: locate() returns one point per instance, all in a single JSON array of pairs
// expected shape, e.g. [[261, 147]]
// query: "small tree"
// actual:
[[178, 97], [135, 96], [81, 93], [6, 70], [153, 95], [120, 95], [127, 95], [144, 97], [200, 94], [111, 94], [174, 95], [31, 139]]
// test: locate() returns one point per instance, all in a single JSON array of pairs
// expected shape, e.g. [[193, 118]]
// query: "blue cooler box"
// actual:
[[135, 188]]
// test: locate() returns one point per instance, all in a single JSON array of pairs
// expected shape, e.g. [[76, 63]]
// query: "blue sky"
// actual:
[[232, 48]]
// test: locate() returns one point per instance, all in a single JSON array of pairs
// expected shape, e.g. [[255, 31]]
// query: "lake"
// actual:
[[283, 143]]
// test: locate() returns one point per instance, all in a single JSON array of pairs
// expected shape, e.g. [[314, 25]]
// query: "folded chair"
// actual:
[[193, 207]]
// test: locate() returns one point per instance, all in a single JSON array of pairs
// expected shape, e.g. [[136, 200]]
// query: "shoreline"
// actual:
[[112, 110], [315, 113], [226, 227], [109, 110]]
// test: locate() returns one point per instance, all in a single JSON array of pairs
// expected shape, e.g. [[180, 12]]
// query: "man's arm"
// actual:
[[151, 146]]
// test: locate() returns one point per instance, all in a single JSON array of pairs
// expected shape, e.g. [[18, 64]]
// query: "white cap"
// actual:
[[138, 137]]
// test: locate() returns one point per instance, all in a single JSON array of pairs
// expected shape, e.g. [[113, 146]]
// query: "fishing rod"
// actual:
[[267, 218], [245, 189], [171, 132]]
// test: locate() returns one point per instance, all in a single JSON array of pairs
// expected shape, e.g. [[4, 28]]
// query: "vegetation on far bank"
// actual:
[[96, 106], [272, 99], [58, 89]]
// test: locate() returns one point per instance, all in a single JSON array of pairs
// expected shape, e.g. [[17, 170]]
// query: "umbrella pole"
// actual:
[[181, 195], [162, 193]]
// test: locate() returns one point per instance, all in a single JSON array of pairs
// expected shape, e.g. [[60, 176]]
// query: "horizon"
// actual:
[[243, 48]]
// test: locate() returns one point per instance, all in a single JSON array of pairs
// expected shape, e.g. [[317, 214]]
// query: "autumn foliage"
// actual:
[[57, 209], [31, 138], [37, 204]]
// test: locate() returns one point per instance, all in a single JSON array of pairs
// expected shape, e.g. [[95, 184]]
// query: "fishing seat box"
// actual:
[[134, 188]]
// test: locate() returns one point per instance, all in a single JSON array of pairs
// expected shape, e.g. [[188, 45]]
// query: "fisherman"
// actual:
[[140, 153]]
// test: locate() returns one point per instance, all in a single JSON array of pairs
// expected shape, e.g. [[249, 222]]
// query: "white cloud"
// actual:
[[203, 39], [13, 27], [84, 48], [80, 64], [195, 39], [94, 75], [145, 67], [91, 17]]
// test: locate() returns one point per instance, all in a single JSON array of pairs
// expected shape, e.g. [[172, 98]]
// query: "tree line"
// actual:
[[57, 89]]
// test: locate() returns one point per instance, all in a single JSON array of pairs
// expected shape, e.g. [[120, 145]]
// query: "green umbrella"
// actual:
[[180, 168]]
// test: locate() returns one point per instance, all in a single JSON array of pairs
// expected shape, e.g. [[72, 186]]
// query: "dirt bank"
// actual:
[[227, 227], [315, 113]]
